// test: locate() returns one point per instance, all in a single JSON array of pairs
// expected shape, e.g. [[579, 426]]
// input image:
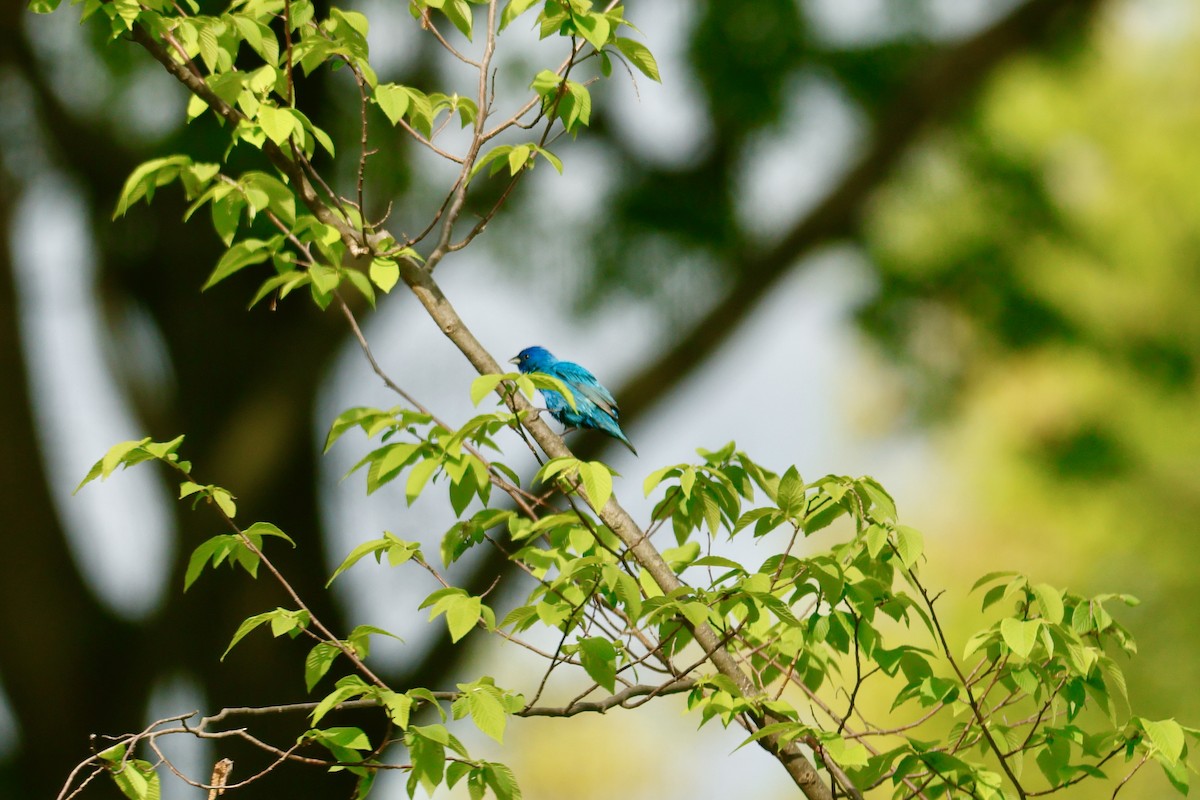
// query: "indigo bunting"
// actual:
[[595, 407]]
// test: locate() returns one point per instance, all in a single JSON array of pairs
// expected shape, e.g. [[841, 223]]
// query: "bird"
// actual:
[[595, 407]]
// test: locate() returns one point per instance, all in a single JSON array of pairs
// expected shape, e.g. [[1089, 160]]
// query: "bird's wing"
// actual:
[[583, 382]]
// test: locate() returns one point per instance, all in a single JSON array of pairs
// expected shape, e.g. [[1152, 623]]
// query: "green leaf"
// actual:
[[1050, 600], [224, 501], [718, 561], [501, 780], [427, 751], [264, 191], [282, 622], [459, 13], [268, 529], [393, 100], [487, 711], [541, 380], [398, 707], [484, 385], [512, 10], [599, 659], [992, 576], [201, 555], [597, 482], [497, 157], [554, 160], [146, 178], [47, 6], [318, 662], [909, 544], [640, 56], [137, 780], [554, 466], [364, 549], [361, 282], [546, 83], [575, 108], [417, 478], [462, 610], [384, 273], [881, 503], [117, 455], [876, 537], [790, 497], [278, 123], [325, 278], [347, 688], [629, 594], [462, 616], [240, 256], [1020, 635], [595, 29], [1176, 772], [518, 157], [656, 477], [1166, 736], [246, 627]]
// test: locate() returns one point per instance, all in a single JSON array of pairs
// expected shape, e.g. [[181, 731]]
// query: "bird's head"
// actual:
[[533, 359]]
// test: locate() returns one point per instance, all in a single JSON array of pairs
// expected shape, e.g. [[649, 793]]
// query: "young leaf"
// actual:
[[599, 659], [268, 529], [384, 273], [487, 712], [245, 628], [1050, 600], [462, 615], [597, 482], [909, 544], [364, 549], [417, 478], [393, 100], [318, 662], [278, 123], [397, 705], [514, 9], [1166, 735], [484, 385], [146, 178], [348, 688], [640, 56], [790, 497], [240, 256], [1020, 635]]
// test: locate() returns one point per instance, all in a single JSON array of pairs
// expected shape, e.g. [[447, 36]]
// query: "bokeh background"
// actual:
[[954, 244]]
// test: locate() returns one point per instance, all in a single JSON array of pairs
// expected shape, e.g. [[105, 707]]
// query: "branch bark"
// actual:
[[618, 520]]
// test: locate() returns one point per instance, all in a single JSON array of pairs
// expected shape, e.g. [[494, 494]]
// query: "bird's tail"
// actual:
[[625, 441]]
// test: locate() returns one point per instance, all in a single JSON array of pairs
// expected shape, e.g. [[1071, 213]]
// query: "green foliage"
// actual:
[[836, 604], [462, 611], [282, 622], [128, 454], [487, 705], [136, 778], [1036, 685]]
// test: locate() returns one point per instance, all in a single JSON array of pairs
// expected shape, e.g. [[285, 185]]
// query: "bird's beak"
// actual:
[[514, 360]]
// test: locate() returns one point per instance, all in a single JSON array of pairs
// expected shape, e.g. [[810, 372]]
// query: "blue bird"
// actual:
[[595, 407]]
